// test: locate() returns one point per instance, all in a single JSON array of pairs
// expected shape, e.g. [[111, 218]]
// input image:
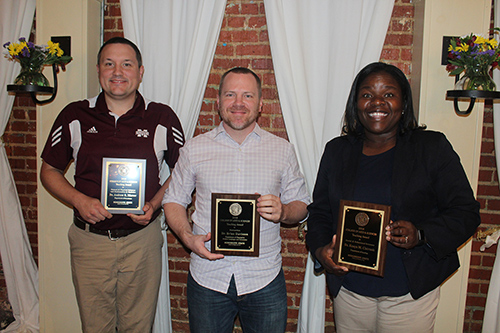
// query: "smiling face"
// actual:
[[239, 104], [119, 72], [380, 104]]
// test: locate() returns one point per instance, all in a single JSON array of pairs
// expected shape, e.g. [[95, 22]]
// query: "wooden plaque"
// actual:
[[235, 224], [361, 244]]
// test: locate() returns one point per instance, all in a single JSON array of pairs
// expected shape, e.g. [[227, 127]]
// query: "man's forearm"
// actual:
[[177, 219], [294, 212]]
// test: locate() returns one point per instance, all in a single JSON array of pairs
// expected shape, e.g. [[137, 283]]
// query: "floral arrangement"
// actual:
[[472, 50], [475, 55], [33, 58]]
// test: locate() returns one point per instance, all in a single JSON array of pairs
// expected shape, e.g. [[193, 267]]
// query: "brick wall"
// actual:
[[244, 42]]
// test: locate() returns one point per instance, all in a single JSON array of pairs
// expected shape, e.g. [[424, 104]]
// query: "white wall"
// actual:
[[79, 19], [433, 20]]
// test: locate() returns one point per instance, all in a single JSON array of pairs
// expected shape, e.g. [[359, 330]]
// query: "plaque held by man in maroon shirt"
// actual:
[[123, 185]]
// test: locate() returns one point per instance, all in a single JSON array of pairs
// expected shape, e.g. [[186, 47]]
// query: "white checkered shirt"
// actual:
[[214, 163]]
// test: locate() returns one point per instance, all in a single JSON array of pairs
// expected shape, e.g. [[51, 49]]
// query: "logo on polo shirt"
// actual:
[[142, 133], [93, 130]]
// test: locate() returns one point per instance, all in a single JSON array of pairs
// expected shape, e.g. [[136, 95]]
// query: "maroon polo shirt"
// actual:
[[85, 132]]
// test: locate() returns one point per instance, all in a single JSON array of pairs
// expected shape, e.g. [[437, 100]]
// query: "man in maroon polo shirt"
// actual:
[[115, 257]]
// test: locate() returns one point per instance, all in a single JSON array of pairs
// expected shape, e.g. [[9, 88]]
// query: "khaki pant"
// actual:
[[356, 313], [117, 282]]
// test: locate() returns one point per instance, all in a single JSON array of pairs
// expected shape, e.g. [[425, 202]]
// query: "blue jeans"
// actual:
[[262, 311]]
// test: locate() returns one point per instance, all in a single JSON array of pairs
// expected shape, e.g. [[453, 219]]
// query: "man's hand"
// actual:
[[270, 207], [91, 210], [196, 243], [145, 218], [325, 257], [178, 222]]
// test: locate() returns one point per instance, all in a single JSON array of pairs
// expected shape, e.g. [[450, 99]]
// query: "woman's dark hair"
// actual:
[[408, 122], [121, 40]]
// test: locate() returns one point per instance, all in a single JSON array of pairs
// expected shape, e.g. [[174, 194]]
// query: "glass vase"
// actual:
[[476, 77], [31, 75]]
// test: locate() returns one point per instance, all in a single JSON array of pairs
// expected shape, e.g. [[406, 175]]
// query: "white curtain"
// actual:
[[318, 47], [491, 320], [177, 39], [21, 273]]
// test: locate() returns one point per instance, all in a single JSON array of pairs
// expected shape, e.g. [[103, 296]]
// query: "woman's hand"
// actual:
[[402, 234], [325, 257]]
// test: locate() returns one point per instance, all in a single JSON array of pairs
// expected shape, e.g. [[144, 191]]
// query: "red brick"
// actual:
[[487, 190], [485, 175], [236, 22], [252, 50], [232, 8], [487, 147], [494, 204], [402, 11], [257, 22], [245, 36], [252, 9], [390, 54]]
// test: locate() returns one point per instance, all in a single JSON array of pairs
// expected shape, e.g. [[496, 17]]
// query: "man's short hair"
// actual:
[[241, 70], [121, 40]]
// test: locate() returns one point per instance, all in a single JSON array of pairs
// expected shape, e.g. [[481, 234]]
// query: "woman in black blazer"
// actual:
[[384, 157]]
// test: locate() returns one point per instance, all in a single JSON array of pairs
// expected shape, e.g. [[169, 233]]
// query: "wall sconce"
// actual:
[[64, 43], [471, 95], [461, 94], [33, 90]]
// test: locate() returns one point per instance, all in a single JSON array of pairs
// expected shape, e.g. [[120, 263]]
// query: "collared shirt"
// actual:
[[214, 163], [86, 132]]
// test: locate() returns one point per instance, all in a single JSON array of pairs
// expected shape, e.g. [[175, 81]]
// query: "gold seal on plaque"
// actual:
[[123, 170], [235, 209], [362, 219]]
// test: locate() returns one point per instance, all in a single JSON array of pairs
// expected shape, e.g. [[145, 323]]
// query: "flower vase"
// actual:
[[31, 75], [476, 77]]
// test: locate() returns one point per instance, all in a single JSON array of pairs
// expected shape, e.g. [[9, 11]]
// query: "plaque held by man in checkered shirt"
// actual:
[[235, 224]]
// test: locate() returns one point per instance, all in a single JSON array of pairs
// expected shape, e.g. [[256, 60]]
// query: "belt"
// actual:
[[113, 234]]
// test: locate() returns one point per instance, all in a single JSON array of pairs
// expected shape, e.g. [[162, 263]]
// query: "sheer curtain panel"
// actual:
[[177, 39], [21, 273], [318, 47]]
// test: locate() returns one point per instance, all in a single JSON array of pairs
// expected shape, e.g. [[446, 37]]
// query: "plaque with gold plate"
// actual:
[[123, 185], [235, 224], [361, 244]]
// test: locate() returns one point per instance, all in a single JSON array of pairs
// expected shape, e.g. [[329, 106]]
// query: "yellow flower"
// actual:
[[13, 50], [480, 40], [462, 47], [54, 49], [493, 43]]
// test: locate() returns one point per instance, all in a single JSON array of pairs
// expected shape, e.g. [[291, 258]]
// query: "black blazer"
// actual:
[[429, 189]]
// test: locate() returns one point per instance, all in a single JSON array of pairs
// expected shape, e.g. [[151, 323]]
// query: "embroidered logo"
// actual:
[[92, 130], [142, 133]]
